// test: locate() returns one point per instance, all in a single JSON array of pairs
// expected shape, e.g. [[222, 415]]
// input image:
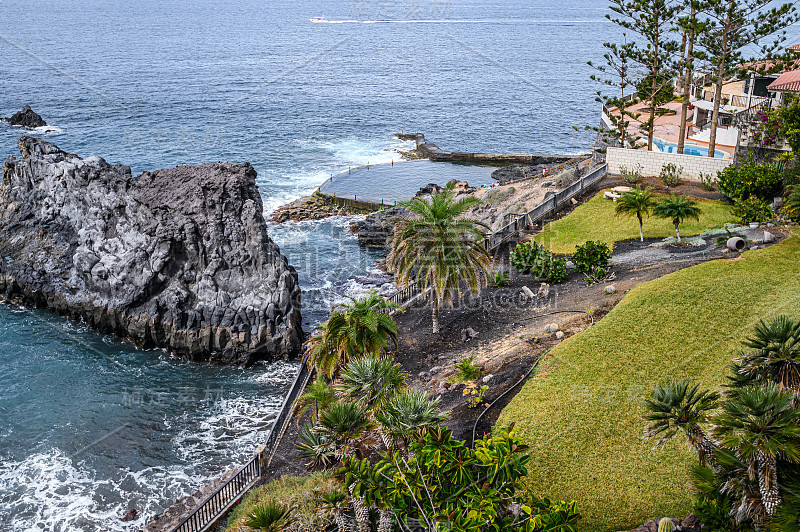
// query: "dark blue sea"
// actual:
[[91, 426]]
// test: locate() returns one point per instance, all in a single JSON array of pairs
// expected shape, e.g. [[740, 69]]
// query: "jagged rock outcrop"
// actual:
[[26, 118], [376, 229], [177, 258]]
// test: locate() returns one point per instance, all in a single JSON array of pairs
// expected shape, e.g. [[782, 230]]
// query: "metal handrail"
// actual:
[[207, 513]]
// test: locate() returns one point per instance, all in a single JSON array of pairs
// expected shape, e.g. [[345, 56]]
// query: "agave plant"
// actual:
[[681, 407], [269, 516], [760, 425], [370, 380], [774, 354], [406, 413]]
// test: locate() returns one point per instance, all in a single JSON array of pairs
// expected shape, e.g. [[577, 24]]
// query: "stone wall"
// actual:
[[434, 152], [653, 161]]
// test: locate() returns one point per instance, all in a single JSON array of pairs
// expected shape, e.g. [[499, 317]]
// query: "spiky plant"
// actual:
[[440, 249], [356, 327], [269, 516], [342, 424], [677, 209], [760, 425], [319, 395], [315, 448], [370, 380], [336, 501], [637, 203], [406, 412], [773, 353], [681, 407]]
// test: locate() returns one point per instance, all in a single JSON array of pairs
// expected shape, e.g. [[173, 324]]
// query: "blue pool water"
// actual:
[[390, 183], [688, 149]]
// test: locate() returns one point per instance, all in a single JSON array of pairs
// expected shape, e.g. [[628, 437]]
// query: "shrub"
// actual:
[[763, 181], [531, 258], [467, 371], [499, 279], [566, 178], [474, 487], [707, 181], [631, 176], [671, 174], [752, 210], [792, 205], [269, 516], [591, 255]]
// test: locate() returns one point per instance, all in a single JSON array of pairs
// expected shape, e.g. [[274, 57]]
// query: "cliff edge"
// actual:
[[177, 258]]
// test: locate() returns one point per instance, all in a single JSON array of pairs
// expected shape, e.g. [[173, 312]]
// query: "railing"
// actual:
[[206, 515]]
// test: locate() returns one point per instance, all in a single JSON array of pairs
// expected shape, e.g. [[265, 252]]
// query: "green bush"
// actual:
[[632, 175], [499, 279], [671, 174], [590, 256], [707, 181], [752, 210], [792, 205], [442, 483], [531, 258], [763, 181], [467, 371]]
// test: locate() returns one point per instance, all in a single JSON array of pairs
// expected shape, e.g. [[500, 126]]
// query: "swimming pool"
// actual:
[[387, 183], [688, 149]]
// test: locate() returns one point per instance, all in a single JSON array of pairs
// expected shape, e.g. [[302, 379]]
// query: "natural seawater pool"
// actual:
[[387, 183]]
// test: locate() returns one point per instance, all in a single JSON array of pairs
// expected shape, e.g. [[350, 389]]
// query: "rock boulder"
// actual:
[[26, 118], [176, 258]]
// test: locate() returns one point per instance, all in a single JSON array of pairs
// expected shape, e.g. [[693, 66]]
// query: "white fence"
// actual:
[[653, 161]]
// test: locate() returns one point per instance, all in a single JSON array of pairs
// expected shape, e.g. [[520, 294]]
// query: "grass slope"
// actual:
[[290, 491], [582, 414], [595, 220]]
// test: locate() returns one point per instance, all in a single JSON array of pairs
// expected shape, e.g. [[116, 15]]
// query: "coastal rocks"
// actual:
[[376, 229], [177, 258], [314, 207], [519, 172], [26, 118]]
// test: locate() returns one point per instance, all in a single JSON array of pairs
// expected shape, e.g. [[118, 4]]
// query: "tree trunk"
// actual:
[[435, 313], [723, 58], [385, 521], [653, 91], [687, 80], [704, 447], [768, 482], [361, 510], [641, 222], [341, 522], [677, 231]]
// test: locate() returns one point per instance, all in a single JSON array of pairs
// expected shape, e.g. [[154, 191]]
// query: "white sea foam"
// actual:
[[51, 491]]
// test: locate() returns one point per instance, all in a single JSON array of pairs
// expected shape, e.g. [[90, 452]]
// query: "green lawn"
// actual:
[[582, 414], [595, 220]]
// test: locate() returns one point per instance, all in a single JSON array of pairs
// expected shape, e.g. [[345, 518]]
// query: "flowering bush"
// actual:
[[770, 128]]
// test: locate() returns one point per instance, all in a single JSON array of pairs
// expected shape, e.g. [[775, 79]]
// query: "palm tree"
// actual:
[[408, 411], [637, 203], [370, 380], [760, 424], [774, 354], [681, 407], [440, 249], [359, 326], [319, 395], [336, 500], [342, 424], [678, 209]]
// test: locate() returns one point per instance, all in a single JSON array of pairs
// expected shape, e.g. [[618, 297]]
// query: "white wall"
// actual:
[[653, 161]]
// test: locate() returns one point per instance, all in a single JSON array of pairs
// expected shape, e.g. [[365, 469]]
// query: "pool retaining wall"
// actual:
[[653, 161], [434, 152]]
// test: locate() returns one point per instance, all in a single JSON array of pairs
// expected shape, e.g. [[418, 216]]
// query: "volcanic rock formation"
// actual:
[[176, 258]]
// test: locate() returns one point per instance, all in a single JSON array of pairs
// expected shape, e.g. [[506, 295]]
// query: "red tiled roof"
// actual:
[[794, 48], [790, 81]]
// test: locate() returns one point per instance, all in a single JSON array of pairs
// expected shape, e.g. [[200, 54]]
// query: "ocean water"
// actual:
[[91, 426]]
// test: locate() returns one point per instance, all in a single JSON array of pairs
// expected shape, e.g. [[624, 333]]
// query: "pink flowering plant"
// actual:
[[769, 129]]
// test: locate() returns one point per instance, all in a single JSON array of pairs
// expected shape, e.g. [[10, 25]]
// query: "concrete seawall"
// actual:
[[434, 152]]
